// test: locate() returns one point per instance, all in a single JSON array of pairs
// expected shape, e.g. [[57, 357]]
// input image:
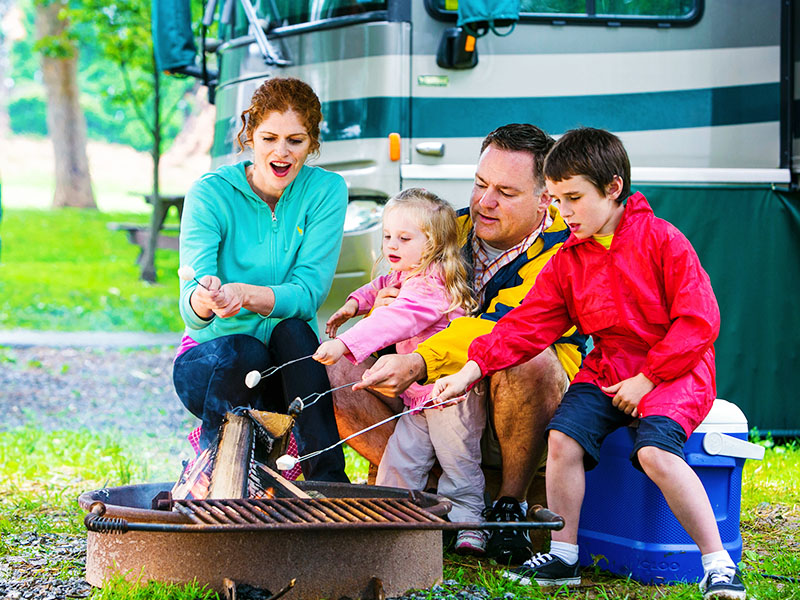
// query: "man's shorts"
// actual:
[[587, 415], [490, 445]]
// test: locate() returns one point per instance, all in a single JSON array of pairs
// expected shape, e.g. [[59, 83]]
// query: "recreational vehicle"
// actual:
[[701, 91]]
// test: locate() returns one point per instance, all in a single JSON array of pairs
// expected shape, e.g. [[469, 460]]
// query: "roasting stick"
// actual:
[[253, 377], [187, 273], [286, 462], [298, 404]]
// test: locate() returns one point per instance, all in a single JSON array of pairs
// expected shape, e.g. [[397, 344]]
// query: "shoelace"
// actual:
[[502, 512], [721, 575], [472, 534], [538, 560]]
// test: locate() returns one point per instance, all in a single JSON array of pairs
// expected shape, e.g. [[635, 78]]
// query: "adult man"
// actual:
[[510, 232]]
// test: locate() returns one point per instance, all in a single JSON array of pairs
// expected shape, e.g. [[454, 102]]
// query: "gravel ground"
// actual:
[[104, 390]]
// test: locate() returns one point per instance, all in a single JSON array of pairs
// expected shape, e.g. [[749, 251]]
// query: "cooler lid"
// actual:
[[725, 417]]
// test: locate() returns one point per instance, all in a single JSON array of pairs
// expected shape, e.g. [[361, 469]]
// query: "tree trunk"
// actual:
[[149, 256], [65, 121]]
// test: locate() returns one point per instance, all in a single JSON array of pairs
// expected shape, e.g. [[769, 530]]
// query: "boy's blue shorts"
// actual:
[[587, 416]]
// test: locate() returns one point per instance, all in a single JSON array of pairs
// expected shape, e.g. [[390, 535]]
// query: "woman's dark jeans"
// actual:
[[209, 380]]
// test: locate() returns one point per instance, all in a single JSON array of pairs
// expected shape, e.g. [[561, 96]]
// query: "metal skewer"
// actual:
[[187, 273], [253, 377], [298, 404], [286, 462]]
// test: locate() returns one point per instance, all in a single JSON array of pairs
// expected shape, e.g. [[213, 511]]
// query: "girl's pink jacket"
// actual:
[[646, 302], [416, 314]]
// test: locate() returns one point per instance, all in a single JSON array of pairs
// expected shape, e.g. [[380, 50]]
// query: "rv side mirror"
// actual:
[[457, 50]]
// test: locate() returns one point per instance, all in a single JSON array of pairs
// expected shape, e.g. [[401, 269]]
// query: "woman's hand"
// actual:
[[456, 385], [629, 392], [330, 352], [205, 296], [341, 316], [230, 300]]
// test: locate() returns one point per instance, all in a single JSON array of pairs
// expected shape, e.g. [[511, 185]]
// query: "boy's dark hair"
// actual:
[[523, 137], [595, 154]]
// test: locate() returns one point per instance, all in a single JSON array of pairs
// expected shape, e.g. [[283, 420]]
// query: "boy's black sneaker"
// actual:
[[723, 583], [508, 545], [546, 570]]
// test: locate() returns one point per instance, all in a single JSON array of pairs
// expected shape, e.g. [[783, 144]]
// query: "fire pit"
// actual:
[[334, 543], [332, 546]]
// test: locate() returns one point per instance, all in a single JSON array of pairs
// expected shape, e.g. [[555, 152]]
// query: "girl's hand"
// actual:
[[341, 316], [330, 352], [629, 392], [456, 385]]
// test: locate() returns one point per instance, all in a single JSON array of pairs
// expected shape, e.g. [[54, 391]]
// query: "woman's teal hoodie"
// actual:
[[228, 231]]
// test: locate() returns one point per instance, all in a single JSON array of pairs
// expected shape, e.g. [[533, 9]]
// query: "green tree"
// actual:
[[121, 30]]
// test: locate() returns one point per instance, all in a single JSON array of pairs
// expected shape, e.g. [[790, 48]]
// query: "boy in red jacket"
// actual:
[[634, 283]]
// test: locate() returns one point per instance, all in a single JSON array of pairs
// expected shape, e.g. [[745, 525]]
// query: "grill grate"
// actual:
[[316, 513]]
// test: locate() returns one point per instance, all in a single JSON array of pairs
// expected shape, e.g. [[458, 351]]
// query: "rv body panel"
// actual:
[[703, 97]]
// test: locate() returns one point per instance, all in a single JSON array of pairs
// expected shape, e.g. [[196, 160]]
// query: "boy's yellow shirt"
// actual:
[[604, 240]]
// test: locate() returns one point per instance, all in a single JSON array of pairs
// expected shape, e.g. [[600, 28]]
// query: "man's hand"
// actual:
[[392, 374], [456, 385], [340, 317], [330, 352], [386, 296], [629, 392]]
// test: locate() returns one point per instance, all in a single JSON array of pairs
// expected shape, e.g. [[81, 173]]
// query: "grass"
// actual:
[[64, 270], [41, 474]]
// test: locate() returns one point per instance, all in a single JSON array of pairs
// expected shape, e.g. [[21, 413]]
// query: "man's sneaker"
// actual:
[[546, 570], [507, 545], [722, 582], [471, 541]]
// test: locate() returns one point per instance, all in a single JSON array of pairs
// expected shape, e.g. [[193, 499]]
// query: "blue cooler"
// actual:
[[626, 526]]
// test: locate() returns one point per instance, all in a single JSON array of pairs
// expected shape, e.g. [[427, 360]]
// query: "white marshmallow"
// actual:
[[252, 379], [286, 462], [186, 273]]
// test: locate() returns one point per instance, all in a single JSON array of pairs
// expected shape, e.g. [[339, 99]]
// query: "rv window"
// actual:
[[597, 11], [281, 13]]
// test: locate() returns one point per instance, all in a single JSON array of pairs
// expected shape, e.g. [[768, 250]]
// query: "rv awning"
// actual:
[[173, 40]]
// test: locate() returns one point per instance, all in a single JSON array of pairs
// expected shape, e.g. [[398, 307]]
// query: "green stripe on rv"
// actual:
[[474, 117]]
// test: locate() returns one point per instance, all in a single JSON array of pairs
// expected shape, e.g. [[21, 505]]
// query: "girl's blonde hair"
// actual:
[[437, 220]]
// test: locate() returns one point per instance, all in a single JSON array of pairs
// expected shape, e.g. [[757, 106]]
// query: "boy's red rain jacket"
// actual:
[[647, 303]]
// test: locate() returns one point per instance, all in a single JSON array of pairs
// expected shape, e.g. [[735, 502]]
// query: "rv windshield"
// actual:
[[282, 13], [582, 9]]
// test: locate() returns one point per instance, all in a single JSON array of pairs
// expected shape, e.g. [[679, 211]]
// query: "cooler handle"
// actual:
[[715, 442]]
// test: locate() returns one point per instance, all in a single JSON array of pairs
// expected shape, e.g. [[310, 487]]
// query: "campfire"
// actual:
[[241, 463], [261, 530]]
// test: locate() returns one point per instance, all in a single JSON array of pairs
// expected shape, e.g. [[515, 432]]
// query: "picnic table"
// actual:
[[139, 234]]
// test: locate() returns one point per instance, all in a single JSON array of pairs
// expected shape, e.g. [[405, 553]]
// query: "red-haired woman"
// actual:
[[263, 236]]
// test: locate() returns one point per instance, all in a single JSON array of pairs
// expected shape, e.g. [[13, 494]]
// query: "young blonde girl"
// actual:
[[421, 245]]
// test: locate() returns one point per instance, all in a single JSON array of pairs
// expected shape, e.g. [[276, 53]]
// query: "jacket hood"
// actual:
[[236, 176]]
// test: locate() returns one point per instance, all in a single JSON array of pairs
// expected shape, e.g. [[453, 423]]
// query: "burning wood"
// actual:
[[241, 463], [229, 478]]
